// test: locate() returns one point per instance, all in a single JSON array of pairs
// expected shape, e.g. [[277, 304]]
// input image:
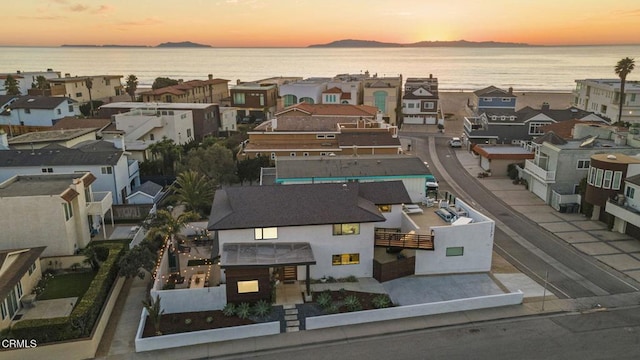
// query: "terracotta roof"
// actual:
[[333, 90], [345, 96], [330, 110]]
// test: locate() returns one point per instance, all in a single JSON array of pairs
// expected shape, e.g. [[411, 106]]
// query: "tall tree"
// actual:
[[163, 224], [215, 162], [89, 84], [195, 191], [622, 69], [167, 151], [132, 86], [161, 82], [42, 84], [11, 86]]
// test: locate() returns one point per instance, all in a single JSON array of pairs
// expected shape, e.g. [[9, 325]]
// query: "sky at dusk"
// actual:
[[299, 23]]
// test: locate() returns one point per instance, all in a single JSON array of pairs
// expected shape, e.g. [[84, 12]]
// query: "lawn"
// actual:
[[67, 285]]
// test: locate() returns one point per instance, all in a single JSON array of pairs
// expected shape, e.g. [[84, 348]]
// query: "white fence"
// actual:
[[201, 337], [361, 317], [187, 300]]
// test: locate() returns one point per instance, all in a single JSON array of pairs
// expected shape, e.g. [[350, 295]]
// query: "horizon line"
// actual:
[[207, 46]]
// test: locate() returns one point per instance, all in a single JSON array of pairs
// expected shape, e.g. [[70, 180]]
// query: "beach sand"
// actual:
[[453, 105]]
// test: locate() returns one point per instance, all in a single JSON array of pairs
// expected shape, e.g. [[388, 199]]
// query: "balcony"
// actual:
[[100, 204], [409, 240], [624, 212], [133, 169], [547, 176]]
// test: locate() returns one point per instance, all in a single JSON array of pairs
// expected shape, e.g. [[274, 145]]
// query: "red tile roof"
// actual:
[[329, 110]]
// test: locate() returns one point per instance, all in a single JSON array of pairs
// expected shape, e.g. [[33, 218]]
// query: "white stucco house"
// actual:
[[298, 232], [39, 110]]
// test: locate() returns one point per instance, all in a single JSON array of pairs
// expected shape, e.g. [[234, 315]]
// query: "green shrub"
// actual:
[[350, 278], [209, 319], [187, 321], [352, 303], [243, 311], [332, 308], [261, 308], [381, 301], [324, 299], [229, 309]]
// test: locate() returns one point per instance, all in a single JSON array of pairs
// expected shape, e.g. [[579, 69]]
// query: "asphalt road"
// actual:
[[595, 335], [530, 248]]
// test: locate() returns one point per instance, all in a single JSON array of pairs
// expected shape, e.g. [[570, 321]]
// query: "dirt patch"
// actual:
[[501, 266], [177, 323]]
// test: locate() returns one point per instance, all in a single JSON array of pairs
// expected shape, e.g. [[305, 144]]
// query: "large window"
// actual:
[[248, 286], [599, 175], [535, 128], [380, 100], [592, 176], [583, 164], [455, 251], [606, 182], [617, 180], [106, 170], [32, 268], [238, 98], [346, 229], [68, 211], [630, 192], [290, 100], [345, 259], [266, 233]]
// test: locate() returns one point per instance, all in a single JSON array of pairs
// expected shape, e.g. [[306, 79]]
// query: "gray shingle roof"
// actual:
[[39, 102], [349, 166], [149, 187], [492, 91], [291, 205], [635, 180], [570, 113], [367, 139], [94, 153]]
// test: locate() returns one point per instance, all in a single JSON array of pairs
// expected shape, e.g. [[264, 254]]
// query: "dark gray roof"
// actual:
[[570, 113], [551, 138], [385, 192], [350, 166], [18, 268], [367, 139], [411, 95], [492, 91], [261, 253], [150, 188], [245, 207], [6, 98], [39, 102], [635, 180], [94, 153]]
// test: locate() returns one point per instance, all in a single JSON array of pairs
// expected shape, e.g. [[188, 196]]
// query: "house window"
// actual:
[[47, 170], [151, 137], [266, 233], [384, 208], [68, 211], [79, 94], [106, 170], [380, 100], [323, 154], [330, 136], [3, 306], [346, 229], [70, 108], [599, 173], [506, 100], [107, 81], [249, 286], [617, 180], [261, 99], [455, 251], [19, 288], [584, 164], [238, 98], [428, 106], [188, 133], [32, 268], [345, 259], [535, 128], [410, 106], [290, 100], [592, 176], [487, 99], [608, 175], [320, 136], [59, 111], [630, 192], [27, 111]]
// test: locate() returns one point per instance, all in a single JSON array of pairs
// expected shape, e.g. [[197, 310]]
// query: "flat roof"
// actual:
[[155, 105], [51, 135], [266, 254], [37, 185], [350, 166]]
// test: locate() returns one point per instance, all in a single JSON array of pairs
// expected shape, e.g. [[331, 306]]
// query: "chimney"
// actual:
[[3, 138], [510, 91], [430, 76], [274, 123], [210, 76], [67, 75], [545, 106]]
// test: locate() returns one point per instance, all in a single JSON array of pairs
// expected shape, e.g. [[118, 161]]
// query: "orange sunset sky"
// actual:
[[299, 23]]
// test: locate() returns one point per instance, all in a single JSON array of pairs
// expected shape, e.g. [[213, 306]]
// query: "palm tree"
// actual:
[[42, 84], [155, 312], [132, 86], [11, 86], [194, 190], [89, 84], [622, 69], [167, 226]]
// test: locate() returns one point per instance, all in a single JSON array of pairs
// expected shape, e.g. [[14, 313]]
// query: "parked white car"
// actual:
[[455, 142]]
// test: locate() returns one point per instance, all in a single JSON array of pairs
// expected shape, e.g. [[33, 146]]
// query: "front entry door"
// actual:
[[288, 274]]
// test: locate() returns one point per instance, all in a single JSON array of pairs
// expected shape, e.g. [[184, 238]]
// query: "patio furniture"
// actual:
[[197, 281]]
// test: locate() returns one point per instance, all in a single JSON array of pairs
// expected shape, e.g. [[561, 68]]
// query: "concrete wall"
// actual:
[[201, 337], [62, 262], [324, 244], [400, 312], [187, 300]]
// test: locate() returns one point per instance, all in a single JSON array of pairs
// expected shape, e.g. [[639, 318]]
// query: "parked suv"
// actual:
[[455, 142]]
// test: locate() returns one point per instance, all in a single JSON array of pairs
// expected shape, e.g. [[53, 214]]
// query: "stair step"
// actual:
[[293, 323], [288, 306], [291, 312], [290, 317], [293, 329]]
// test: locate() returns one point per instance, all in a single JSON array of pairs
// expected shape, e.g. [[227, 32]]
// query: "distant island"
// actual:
[[183, 44], [459, 43]]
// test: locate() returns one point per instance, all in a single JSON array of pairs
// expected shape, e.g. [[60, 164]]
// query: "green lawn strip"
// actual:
[[67, 285]]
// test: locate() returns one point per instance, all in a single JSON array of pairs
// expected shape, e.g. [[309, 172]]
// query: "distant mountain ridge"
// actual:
[[182, 44], [459, 43]]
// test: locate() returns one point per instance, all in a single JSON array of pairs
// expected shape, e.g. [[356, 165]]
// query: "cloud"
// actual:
[[78, 8], [632, 13], [47, 17]]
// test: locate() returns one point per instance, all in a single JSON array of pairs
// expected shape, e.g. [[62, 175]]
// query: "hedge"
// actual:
[[82, 319]]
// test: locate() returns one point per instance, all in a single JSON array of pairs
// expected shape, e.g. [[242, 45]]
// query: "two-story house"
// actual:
[[385, 93], [27, 79], [624, 208], [192, 91], [61, 205], [421, 102], [149, 126], [38, 110], [255, 101], [308, 90], [39, 139], [278, 234], [20, 272], [492, 98], [114, 172], [102, 87], [602, 96]]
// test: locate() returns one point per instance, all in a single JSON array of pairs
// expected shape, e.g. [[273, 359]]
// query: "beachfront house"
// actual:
[[83, 88], [385, 93], [602, 96], [421, 102], [192, 91]]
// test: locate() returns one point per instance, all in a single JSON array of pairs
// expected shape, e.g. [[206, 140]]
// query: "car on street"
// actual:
[[455, 142]]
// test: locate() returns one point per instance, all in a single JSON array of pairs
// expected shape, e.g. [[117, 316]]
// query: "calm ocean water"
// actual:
[[530, 68]]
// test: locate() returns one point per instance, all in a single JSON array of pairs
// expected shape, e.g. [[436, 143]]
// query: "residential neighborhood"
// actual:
[[139, 223]]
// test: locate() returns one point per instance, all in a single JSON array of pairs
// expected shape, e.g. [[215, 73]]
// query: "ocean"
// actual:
[[523, 68]]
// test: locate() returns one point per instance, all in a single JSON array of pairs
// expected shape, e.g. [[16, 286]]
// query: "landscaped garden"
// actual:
[[64, 285]]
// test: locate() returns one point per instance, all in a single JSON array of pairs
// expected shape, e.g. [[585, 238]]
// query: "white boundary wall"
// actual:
[[188, 300], [201, 337], [442, 307]]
